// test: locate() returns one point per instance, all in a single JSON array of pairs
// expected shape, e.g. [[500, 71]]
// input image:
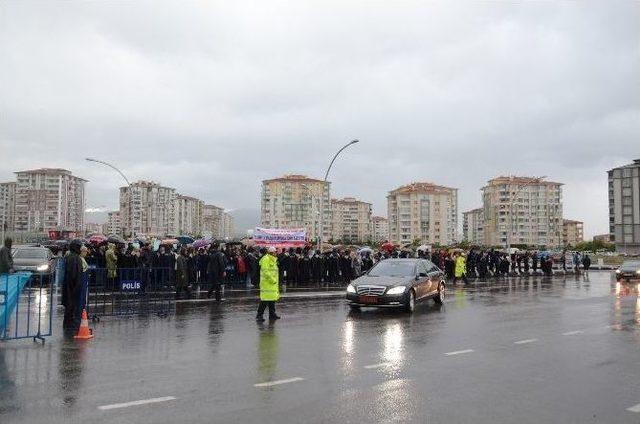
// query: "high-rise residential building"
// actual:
[[147, 208], [297, 201], [379, 228], [537, 212], [624, 207], [572, 232], [113, 226], [189, 213], [49, 199], [423, 211], [473, 226], [351, 220], [228, 225], [7, 206], [217, 223]]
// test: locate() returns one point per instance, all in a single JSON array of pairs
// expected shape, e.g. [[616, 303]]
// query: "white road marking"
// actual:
[[634, 408], [572, 333], [519, 342], [278, 382], [135, 403], [459, 352], [380, 365]]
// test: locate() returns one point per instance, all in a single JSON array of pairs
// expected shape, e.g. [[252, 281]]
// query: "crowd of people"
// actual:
[[239, 264]]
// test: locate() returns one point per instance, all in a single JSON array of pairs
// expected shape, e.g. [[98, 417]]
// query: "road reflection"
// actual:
[[70, 371], [268, 349]]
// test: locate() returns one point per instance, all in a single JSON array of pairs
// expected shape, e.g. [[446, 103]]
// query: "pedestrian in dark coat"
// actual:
[[216, 271], [182, 274], [72, 289]]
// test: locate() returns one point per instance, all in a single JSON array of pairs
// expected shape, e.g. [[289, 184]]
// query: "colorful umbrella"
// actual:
[[201, 243], [97, 239]]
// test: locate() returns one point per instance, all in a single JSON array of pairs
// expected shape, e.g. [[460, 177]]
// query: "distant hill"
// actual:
[[245, 219]]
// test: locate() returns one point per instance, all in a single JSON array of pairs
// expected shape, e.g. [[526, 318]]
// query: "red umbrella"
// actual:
[[97, 239], [387, 246]]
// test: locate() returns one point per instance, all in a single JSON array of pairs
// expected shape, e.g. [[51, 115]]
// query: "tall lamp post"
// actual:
[[119, 172], [326, 175], [511, 200]]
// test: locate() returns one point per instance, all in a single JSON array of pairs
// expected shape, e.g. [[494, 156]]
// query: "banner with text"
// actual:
[[280, 237]]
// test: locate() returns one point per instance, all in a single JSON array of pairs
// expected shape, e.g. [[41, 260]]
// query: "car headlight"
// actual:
[[351, 288], [618, 271], [397, 290], [43, 267], [638, 272]]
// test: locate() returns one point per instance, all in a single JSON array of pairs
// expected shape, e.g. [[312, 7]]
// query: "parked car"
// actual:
[[629, 271], [398, 283], [36, 259]]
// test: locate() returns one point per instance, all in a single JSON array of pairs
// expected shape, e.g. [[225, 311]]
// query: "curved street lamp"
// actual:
[[326, 175], [119, 172]]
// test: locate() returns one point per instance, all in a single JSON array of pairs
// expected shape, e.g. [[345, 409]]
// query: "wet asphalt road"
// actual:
[[519, 351]]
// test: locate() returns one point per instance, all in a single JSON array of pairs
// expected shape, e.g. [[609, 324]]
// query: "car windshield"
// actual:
[[30, 254], [393, 269], [630, 266]]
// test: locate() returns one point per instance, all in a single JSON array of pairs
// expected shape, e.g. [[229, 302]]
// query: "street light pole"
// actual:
[[122, 175], [511, 200], [326, 175]]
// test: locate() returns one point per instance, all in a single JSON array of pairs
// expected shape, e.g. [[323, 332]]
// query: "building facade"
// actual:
[[602, 238], [572, 232], [473, 226], [297, 201], [147, 208], [49, 199], [189, 214], [536, 206], [113, 226], [379, 228], [423, 211], [351, 220], [217, 223], [7, 206], [624, 207]]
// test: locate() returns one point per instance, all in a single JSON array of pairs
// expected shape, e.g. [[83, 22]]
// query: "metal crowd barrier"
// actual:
[[26, 303], [131, 291]]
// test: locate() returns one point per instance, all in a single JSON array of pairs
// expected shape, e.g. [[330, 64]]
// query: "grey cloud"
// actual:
[[213, 97]]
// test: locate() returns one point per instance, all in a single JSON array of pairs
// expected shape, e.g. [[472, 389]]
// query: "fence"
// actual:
[[26, 302], [130, 291]]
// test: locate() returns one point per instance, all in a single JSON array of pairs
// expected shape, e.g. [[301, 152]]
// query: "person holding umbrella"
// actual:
[[269, 285]]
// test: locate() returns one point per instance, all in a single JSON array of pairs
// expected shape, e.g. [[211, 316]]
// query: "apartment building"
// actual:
[[297, 201], [572, 232], [473, 226], [189, 215], [217, 223], [351, 220], [624, 207], [49, 199], [423, 211], [535, 206], [113, 226], [7, 206], [379, 228], [147, 208]]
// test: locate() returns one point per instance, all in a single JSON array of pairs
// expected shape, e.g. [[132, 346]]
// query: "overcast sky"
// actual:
[[212, 97]]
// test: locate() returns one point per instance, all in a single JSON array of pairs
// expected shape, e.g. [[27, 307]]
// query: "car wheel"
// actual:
[[410, 304], [439, 299], [354, 308]]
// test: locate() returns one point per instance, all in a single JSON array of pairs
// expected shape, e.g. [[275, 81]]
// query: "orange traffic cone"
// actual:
[[84, 332]]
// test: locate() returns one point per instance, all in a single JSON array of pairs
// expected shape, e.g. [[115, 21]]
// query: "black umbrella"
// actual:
[[116, 240]]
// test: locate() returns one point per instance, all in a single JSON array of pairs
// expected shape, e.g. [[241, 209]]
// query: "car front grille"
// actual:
[[371, 290]]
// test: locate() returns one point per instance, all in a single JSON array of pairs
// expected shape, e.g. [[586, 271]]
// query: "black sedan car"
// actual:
[[398, 283]]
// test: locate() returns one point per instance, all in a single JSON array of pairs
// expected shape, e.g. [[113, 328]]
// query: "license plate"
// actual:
[[368, 299]]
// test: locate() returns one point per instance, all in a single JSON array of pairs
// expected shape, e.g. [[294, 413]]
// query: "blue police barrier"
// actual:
[[25, 305]]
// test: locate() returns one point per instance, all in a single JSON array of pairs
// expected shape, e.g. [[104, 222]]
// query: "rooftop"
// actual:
[[422, 187], [348, 200], [635, 164], [294, 178], [514, 179], [49, 171]]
